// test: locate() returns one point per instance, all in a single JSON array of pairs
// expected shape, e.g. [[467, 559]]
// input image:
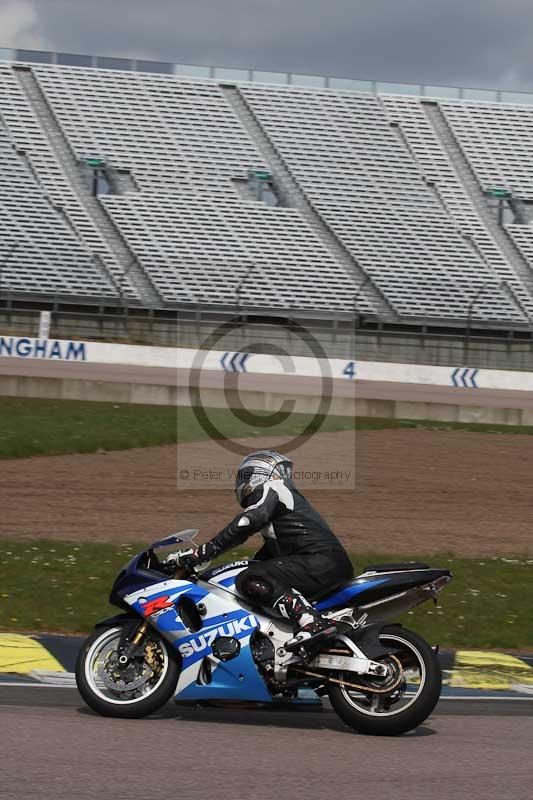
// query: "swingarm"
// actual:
[[337, 659]]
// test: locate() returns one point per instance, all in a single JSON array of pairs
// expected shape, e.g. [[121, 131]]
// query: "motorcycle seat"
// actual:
[[396, 567], [330, 590]]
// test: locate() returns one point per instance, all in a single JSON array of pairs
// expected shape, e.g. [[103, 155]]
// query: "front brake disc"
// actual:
[[114, 678]]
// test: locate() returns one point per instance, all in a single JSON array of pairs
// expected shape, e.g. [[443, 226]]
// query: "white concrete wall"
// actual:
[[102, 353]]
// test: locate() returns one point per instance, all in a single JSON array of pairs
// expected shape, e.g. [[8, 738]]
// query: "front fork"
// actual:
[[129, 647]]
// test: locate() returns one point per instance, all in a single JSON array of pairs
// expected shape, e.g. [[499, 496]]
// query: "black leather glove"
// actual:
[[190, 559], [206, 553]]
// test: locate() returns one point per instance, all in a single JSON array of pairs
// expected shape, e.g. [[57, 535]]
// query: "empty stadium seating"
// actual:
[[368, 187], [48, 256], [29, 138], [438, 170], [196, 248], [383, 174], [498, 142], [166, 131], [187, 226]]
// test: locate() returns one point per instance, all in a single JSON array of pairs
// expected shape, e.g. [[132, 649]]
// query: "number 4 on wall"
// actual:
[[349, 370]]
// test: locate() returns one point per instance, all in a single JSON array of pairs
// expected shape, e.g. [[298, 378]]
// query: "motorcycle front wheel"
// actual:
[[136, 690], [415, 678]]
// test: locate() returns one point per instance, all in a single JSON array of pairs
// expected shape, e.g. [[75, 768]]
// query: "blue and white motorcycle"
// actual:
[[193, 636]]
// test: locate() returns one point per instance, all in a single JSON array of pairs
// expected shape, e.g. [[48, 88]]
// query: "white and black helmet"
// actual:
[[258, 468]]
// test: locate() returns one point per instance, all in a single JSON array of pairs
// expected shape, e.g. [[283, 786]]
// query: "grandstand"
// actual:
[[163, 191]]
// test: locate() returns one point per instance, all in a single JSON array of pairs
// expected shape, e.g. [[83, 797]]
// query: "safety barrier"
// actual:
[[282, 381], [173, 358], [460, 376]]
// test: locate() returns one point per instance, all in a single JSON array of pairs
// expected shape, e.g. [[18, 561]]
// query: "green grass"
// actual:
[[30, 427], [63, 587], [379, 424]]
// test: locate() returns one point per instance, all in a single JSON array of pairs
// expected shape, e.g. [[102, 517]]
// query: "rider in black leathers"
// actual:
[[301, 557]]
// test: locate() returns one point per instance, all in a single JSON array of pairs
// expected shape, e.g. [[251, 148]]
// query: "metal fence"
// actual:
[[297, 337], [446, 350], [228, 331]]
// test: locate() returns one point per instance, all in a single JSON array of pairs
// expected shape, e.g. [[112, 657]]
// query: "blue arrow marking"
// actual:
[[464, 377], [473, 378], [232, 362], [223, 361], [242, 362], [454, 376]]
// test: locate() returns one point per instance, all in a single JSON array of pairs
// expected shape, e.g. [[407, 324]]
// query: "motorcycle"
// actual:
[[191, 635]]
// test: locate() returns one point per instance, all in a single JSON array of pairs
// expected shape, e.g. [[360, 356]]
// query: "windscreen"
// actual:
[[176, 538]]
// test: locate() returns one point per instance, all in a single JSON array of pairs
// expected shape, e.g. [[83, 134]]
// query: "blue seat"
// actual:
[[345, 594]]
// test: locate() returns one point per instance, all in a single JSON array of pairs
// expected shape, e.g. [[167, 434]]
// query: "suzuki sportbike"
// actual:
[[194, 637]]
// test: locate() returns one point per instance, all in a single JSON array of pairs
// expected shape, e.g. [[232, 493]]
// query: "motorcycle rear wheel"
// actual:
[[133, 692], [403, 709]]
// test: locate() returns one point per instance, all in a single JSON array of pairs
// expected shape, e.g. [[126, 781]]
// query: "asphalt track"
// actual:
[[374, 390], [56, 749]]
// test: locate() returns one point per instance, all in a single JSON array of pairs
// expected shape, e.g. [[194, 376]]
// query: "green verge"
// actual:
[[381, 424], [30, 427], [63, 587]]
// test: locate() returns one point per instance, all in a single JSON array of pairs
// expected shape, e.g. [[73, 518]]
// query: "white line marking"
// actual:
[[443, 697], [487, 697], [40, 685]]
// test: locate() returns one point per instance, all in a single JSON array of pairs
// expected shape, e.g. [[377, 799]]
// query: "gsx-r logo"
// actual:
[[205, 640]]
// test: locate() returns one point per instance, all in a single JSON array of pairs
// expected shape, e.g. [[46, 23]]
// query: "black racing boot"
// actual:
[[311, 625], [311, 632]]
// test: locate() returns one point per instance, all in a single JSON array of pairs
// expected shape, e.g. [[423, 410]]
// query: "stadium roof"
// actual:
[[261, 76]]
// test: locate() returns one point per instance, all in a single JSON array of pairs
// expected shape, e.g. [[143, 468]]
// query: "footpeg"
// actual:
[[303, 638]]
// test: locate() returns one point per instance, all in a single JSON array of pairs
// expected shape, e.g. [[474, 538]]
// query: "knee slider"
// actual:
[[255, 588]]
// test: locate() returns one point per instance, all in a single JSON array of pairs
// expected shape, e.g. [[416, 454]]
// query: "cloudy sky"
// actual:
[[487, 43]]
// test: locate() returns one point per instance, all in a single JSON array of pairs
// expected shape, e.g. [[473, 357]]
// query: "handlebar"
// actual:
[[181, 573]]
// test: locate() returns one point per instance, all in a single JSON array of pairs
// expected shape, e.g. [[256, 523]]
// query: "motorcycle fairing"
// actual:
[[237, 679], [225, 575]]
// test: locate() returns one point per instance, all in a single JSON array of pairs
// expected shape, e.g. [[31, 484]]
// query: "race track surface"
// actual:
[[57, 749]]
